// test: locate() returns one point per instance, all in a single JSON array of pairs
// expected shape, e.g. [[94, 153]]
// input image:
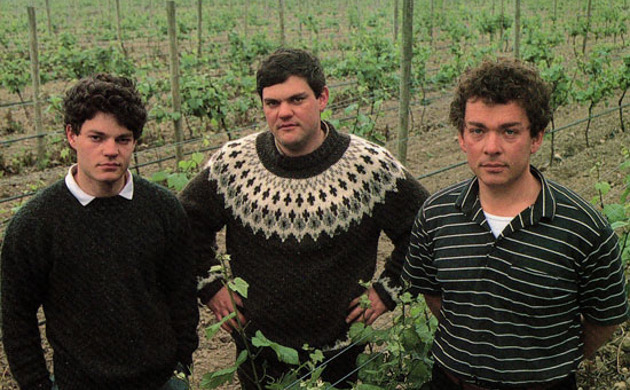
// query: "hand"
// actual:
[[367, 315], [221, 306]]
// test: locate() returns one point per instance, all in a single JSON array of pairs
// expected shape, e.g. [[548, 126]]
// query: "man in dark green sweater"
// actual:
[[105, 254], [303, 206]]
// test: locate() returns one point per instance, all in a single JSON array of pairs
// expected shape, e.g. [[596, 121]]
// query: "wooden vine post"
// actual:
[[431, 18], [50, 29], [39, 128], [177, 99], [395, 20], [517, 29], [405, 79], [199, 26], [281, 16], [588, 26], [120, 38], [502, 21]]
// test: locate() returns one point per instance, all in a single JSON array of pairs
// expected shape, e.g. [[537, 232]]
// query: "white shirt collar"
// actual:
[[84, 198]]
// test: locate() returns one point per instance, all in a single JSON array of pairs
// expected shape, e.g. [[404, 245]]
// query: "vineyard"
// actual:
[[195, 61]]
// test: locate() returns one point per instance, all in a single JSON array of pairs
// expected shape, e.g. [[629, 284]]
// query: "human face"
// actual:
[[104, 149], [498, 144], [293, 114]]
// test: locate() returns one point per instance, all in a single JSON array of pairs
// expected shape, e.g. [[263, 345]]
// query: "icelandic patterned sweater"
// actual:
[[302, 231], [117, 287]]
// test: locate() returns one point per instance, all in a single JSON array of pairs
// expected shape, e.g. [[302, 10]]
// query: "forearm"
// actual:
[[595, 336], [21, 295], [434, 302], [398, 216], [204, 211], [22, 345]]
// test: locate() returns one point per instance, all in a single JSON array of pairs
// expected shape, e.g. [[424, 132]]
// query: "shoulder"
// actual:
[[572, 208], [370, 150], [448, 195], [235, 150], [363, 155], [42, 200], [154, 194], [42, 207]]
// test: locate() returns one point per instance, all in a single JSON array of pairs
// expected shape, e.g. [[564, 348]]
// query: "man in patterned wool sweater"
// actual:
[[303, 206]]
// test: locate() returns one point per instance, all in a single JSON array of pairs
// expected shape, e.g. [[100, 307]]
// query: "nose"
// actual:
[[110, 148], [492, 144], [285, 110]]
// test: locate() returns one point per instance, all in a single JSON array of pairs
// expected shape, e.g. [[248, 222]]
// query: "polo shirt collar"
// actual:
[[544, 207], [85, 198]]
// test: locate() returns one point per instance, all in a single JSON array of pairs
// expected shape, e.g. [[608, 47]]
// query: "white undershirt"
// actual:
[[497, 224]]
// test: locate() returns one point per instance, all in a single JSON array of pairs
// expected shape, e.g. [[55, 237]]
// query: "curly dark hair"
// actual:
[[287, 62], [501, 82], [107, 94]]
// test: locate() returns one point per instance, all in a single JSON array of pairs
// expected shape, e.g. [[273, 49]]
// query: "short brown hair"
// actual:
[[287, 62], [501, 82], [107, 94]]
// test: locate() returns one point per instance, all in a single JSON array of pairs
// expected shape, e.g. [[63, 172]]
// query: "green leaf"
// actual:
[[615, 212], [285, 354], [197, 158], [240, 286], [177, 181], [364, 386], [316, 356], [215, 379], [159, 176], [602, 186], [214, 328]]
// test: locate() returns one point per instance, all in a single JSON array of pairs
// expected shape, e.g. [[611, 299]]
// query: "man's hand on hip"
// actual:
[[368, 314], [221, 305]]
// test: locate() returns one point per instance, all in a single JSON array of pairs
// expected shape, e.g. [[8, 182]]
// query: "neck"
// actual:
[[100, 189], [509, 201]]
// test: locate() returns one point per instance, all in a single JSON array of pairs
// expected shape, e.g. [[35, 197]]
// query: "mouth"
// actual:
[[287, 126], [109, 165], [493, 167]]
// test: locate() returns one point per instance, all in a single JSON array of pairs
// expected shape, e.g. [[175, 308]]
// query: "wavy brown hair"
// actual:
[[501, 82], [107, 94]]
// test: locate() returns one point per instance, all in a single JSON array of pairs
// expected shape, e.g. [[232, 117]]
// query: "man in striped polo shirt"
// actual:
[[524, 276]]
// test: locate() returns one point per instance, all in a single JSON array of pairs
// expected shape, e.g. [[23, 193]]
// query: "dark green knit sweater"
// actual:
[[302, 231], [116, 284]]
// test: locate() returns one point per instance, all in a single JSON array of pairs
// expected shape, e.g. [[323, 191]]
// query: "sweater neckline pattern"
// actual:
[[339, 193]]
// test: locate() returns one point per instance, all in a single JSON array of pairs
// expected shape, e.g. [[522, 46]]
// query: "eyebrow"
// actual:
[[103, 134], [503, 126], [297, 95]]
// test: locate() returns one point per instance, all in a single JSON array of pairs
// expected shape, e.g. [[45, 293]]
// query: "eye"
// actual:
[[125, 140], [271, 103], [511, 133], [94, 138], [298, 99]]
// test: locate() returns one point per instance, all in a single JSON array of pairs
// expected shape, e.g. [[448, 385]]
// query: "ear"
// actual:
[[537, 142], [460, 139], [71, 136], [323, 98]]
